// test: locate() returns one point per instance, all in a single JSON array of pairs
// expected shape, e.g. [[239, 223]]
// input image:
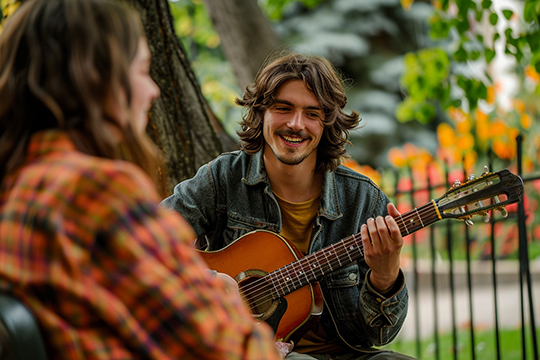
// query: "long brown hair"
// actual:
[[59, 61], [320, 77]]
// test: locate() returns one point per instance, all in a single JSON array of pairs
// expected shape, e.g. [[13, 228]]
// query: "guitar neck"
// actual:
[[313, 267]]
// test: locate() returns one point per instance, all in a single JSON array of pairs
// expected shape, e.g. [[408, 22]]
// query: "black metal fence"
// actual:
[[472, 287]]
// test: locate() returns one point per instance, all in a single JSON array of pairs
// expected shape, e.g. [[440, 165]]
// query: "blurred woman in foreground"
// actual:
[[107, 273]]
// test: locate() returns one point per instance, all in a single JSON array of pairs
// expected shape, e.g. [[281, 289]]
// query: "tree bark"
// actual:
[[247, 37], [179, 122]]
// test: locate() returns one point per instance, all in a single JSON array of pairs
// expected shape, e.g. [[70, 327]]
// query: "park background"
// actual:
[[444, 88]]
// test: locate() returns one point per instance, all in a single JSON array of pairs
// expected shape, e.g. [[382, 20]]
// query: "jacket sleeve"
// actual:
[[195, 199], [384, 315]]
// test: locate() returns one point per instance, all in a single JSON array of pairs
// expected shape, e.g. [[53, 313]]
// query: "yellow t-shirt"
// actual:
[[297, 219]]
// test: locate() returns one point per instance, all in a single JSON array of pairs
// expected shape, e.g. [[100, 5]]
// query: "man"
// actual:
[[288, 179]]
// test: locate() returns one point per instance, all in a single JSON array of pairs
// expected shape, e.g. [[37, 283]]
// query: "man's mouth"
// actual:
[[292, 140]]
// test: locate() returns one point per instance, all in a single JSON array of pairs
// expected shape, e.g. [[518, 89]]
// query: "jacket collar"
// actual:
[[329, 206]]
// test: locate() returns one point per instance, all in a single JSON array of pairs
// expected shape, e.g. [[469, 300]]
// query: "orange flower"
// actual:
[[424, 157], [436, 4], [464, 126], [481, 116], [503, 150], [464, 142], [490, 95], [519, 105], [406, 4], [446, 135], [531, 73], [498, 128], [396, 157], [470, 160], [525, 121], [457, 114], [351, 164], [410, 152]]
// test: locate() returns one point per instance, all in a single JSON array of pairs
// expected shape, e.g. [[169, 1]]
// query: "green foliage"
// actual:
[[458, 28], [274, 8], [425, 75]]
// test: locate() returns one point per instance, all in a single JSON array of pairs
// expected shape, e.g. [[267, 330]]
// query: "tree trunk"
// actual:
[[247, 36], [179, 121]]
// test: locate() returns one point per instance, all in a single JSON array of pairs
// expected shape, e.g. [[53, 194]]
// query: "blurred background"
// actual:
[[444, 88]]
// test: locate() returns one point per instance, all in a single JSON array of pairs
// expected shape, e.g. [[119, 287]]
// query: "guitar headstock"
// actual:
[[477, 196]]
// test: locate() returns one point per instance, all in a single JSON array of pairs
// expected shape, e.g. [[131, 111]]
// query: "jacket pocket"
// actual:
[[343, 285], [239, 225]]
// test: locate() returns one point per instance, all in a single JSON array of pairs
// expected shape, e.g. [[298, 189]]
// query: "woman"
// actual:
[[107, 273]]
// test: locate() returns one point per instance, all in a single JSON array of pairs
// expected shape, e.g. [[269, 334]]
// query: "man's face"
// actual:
[[293, 124]]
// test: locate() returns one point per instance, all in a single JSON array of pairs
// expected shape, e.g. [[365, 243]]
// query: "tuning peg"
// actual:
[[469, 222], [486, 170], [504, 213], [471, 177], [456, 183], [486, 218]]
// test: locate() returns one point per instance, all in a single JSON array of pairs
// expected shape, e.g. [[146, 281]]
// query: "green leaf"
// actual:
[[489, 55], [537, 90], [463, 25], [439, 28], [529, 12], [493, 18], [533, 39], [479, 14], [486, 4], [461, 54], [518, 55], [507, 14]]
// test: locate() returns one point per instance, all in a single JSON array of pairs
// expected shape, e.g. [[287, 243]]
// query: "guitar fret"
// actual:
[[327, 262], [337, 257], [346, 251], [419, 218], [405, 225]]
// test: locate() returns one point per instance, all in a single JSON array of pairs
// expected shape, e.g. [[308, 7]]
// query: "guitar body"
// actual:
[[256, 255]]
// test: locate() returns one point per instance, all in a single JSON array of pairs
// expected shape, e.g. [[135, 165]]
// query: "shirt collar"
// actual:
[[329, 205], [48, 141]]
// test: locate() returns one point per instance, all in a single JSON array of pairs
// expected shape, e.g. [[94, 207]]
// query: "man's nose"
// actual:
[[296, 121]]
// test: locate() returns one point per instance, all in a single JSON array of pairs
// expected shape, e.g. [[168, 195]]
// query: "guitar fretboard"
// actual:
[[313, 267]]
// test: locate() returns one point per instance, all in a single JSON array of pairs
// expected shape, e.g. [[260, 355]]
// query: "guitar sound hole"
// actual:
[[257, 294]]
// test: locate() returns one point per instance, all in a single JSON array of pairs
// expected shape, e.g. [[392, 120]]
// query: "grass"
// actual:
[[485, 346]]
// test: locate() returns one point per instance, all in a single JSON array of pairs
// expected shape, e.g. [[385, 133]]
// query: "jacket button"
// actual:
[[352, 276]]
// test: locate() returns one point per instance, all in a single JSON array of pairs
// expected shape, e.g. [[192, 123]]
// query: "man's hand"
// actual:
[[382, 245], [231, 286], [284, 347]]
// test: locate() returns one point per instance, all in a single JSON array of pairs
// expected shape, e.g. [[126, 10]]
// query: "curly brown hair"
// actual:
[[320, 77]]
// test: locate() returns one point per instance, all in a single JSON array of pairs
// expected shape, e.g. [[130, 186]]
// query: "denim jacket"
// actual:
[[231, 196]]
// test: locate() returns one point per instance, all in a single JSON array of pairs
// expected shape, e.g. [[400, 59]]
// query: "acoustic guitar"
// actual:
[[280, 285]]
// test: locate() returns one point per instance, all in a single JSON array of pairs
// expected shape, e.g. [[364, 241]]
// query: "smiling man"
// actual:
[[288, 179]]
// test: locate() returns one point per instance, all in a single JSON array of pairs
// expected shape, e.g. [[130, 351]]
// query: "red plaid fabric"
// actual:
[[108, 274]]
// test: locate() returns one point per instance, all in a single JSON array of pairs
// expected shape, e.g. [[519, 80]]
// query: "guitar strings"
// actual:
[[267, 295], [298, 266]]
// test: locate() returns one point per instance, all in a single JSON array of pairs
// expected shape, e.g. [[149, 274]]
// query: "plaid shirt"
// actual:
[[107, 273]]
